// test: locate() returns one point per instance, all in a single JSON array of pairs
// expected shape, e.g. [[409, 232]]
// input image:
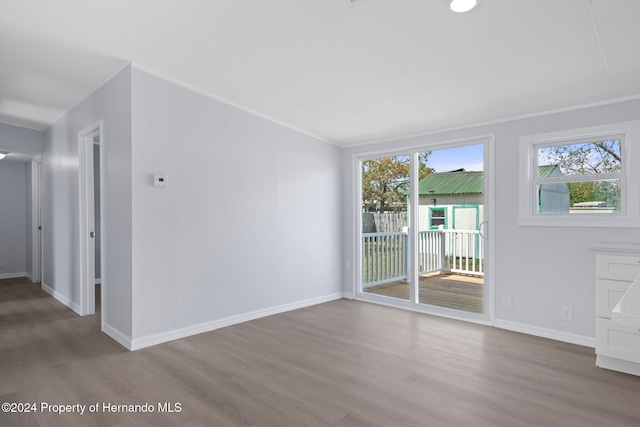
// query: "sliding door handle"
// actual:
[[482, 229]]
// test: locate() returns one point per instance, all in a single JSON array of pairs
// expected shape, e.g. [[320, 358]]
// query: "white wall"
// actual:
[[21, 140], [541, 268], [112, 103], [250, 220], [13, 223]]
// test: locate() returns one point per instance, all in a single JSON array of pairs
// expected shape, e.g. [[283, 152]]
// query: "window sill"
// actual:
[[590, 222]]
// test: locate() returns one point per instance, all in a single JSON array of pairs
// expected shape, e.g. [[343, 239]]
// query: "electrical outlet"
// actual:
[[566, 313], [506, 302]]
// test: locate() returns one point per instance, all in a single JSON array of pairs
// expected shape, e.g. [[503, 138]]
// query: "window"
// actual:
[[579, 178], [437, 218]]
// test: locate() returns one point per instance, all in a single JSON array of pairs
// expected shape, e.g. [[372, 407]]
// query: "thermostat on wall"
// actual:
[[160, 180]]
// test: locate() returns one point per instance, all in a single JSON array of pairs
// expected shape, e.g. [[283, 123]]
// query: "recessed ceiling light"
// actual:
[[463, 5], [3, 155]]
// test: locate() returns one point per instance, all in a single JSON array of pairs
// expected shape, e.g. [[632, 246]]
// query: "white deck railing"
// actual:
[[431, 250], [384, 255], [464, 252]]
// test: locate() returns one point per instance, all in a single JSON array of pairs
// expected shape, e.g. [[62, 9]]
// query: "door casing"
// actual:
[[36, 218], [86, 139]]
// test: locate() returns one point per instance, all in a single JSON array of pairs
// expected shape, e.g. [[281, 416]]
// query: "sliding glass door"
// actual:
[[422, 227], [450, 248], [384, 238]]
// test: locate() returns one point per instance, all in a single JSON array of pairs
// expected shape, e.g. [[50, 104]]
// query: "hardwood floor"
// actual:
[[343, 363]]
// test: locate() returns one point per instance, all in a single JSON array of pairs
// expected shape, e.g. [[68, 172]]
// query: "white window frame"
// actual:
[[629, 215]]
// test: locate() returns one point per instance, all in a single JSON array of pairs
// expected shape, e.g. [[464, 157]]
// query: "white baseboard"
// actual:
[[98, 281], [347, 295], [60, 297], [12, 275], [546, 333], [116, 335], [29, 276], [149, 340]]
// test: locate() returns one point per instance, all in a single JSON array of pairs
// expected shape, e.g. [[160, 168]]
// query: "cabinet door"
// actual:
[[620, 342], [608, 293]]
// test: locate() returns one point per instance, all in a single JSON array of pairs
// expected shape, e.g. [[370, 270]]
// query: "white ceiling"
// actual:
[[346, 72]]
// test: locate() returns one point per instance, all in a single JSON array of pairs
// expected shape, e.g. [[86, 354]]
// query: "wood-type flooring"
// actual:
[[342, 363]]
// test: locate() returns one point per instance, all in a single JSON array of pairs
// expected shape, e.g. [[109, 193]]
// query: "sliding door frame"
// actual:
[[412, 268]]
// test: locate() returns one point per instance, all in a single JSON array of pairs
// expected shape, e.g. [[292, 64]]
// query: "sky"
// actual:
[[469, 157]]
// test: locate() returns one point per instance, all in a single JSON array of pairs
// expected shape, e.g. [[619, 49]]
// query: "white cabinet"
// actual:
[[617, 346]]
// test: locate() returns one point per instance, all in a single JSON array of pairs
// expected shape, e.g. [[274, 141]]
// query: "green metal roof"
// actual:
[[464, 182], [545, 171], [461, 182]]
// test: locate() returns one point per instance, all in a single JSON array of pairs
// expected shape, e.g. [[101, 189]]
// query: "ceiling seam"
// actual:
[[596, 29], [386, 63]]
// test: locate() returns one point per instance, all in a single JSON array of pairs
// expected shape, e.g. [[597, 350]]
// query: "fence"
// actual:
[[383, 222], [384, 255]]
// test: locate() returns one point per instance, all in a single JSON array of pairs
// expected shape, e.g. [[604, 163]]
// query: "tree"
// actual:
[[589, 158], [385, 182]]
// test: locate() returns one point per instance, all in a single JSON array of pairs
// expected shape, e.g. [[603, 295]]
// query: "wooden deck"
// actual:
[[454, 291]]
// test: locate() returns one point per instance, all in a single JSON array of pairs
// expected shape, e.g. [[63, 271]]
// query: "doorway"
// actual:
[[90, 141], [36, 219], [423, 240]]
